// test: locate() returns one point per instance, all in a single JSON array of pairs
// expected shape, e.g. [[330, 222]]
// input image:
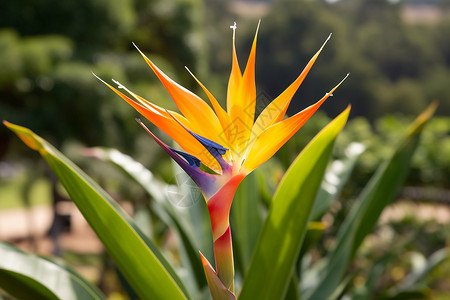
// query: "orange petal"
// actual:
[[275, 136], [191, 106], [235, 76], [247, 95], [242, 105], [221, 114], [276, 110], [166, 123]]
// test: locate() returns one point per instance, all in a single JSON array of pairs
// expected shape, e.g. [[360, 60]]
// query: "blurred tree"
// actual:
[[390, 61], [290, 35], [50, 48], [89, 23], [172, 29]]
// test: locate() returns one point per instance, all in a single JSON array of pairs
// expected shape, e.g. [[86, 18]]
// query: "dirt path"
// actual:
[[27, 229]]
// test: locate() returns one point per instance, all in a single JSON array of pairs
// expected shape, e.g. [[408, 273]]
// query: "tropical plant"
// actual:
[[230, 146]]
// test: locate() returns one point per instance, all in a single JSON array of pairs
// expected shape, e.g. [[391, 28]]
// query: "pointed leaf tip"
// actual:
[[216, 287], [26, 135], [423, 118]]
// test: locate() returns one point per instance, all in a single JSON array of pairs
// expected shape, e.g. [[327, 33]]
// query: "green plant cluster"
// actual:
[[430, 165], [277, 242]]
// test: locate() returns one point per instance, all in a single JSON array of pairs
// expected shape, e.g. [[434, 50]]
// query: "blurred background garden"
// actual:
[[398, 54]]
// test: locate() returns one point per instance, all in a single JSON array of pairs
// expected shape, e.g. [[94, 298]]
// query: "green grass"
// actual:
[[13, 195]]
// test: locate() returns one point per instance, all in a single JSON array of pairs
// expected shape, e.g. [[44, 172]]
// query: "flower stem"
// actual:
[[219, 212]]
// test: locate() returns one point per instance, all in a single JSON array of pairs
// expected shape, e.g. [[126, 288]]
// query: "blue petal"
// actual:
[[191, 160], [210, 144], [215, 149]]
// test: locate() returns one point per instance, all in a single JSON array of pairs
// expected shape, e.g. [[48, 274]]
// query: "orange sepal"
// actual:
[[162, 119], [191, 106], [275, 111], [275, 136], [241, 107], [222, 115], [235, 76]]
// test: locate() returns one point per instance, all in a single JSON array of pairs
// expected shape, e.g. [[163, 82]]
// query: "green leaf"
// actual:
[[28, 276], [281, 237], [335, 178], [292, 291], [313, 234], [174, 217], [246, 218], [135, 170], [137, 258], [423, 294], [379, 192]]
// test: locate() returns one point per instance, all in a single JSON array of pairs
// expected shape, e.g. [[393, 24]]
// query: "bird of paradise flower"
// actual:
[[230, 142]]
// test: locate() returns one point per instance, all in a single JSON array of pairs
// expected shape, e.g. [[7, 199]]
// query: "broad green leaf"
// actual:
[[155, 188], [246, 219], [136, 257], [292, 291], [313, 234], [335, 178], [28, 276], [23, 287], [424, 294], [379, 192], [195, 217], [177, 218], [282, 234]]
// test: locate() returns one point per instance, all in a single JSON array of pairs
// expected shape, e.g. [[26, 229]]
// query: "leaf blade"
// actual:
[[282, 234], [27, 274], [379, 192], [137, 258]]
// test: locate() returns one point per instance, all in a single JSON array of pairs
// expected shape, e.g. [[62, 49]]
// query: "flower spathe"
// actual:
[[230, 142]]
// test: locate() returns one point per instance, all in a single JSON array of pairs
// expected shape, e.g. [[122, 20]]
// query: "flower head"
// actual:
[[230, 142]]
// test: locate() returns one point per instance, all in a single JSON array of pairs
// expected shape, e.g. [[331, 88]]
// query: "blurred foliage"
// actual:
[[395, 65], [50, 48], [430, 165]]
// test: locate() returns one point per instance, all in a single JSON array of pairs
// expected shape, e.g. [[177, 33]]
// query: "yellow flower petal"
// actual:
[[241, 104]]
